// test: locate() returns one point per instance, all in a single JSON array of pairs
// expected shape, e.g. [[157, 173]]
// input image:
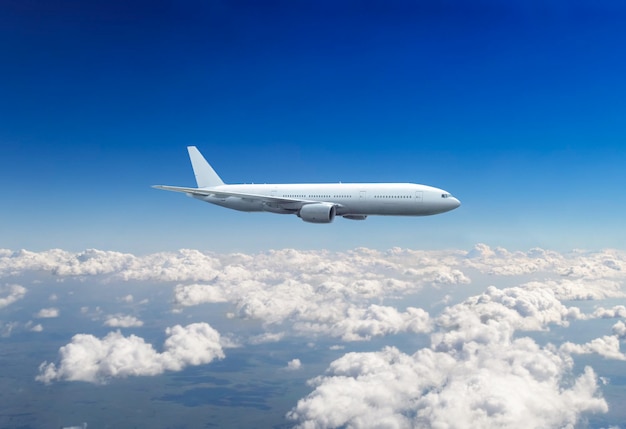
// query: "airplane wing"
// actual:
[[219, 193]]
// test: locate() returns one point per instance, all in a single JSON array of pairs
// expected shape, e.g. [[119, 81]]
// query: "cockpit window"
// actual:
[[446, 195]]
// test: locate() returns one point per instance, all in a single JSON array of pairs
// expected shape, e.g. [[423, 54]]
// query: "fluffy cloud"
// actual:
[[37, 328], [610, 313], [127, 298], [496, 314], [195, 294], [87, 358], [606, 346], [6, 329], [619, 329], [267, 337], [522, 386], [314, 293], [183, 265], [337, 307], [480, 368], [192, 265], [577, 264], [47, 313], [476, 371], [444, 267], [358, 324], [294, 364], [122, 321], [580, 289], [11, 293]]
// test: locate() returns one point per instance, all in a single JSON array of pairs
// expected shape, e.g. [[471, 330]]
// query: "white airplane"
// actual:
[[316, 203]]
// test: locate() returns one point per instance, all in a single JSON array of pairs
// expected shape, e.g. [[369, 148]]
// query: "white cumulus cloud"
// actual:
[[10, 293], [95, 360], [47, 313], [126, 298], [477, 371], [619, 329], [606, 346], [294, 364], [37, 328], [122, 321], [522, 386]]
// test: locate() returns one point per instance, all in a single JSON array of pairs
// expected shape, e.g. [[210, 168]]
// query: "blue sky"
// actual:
[[516, 108]]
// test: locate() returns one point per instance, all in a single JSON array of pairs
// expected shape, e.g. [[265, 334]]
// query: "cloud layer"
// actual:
[[483, 366]]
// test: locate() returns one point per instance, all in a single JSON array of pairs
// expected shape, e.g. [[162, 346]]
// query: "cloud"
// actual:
[[127, 298], [294, 364], [193, 266], [580, 289], [10, 293], [577, 264], [87, 358], [47, 313], [166, 266], [341, 294], [522, 386], [336, 293], [477, 370], [480, 366], [37, 328], [196, 294], [122, 321], [358, 324], [619, 329], [444, 267], [606, 346], [610, 313], [6, 329], [323, 293], [267, 337]]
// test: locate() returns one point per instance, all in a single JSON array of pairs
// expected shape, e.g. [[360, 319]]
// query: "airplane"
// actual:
[[316, 203]]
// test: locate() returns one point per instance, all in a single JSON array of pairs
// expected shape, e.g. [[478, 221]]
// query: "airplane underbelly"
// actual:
[[236, 203]]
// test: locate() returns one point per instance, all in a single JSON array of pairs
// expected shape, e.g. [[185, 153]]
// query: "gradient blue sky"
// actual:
[[518, 108]]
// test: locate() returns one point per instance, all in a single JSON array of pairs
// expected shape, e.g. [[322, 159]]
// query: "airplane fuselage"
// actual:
[[357, 199], [316, 202]]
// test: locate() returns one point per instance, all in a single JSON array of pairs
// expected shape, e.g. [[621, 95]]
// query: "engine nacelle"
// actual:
[[317, 213]]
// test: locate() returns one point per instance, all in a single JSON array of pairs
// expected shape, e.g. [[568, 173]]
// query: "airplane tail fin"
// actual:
[[205, 175]]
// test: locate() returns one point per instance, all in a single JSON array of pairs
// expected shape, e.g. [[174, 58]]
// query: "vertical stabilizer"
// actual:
[[205, 175]]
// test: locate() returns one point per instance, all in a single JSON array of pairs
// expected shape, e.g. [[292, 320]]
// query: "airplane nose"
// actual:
[[455, 203]]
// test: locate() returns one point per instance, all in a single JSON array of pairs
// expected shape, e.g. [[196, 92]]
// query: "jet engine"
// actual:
[[317, 213]]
